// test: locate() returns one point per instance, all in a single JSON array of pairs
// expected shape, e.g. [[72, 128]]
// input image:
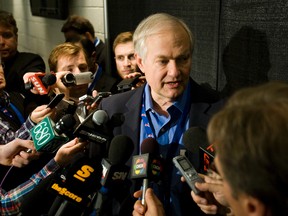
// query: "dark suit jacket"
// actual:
[[129, 104], [15, 68]]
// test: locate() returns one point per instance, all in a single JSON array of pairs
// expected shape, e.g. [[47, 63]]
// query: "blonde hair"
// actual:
[[64, 49]]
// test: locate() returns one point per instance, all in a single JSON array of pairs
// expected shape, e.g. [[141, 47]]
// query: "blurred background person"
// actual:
[[79, 26], [124, 54], [126, 65], [102, 81], [16, 64]]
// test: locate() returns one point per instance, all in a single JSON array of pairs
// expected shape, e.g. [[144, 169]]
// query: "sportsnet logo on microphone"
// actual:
[[45, 137]]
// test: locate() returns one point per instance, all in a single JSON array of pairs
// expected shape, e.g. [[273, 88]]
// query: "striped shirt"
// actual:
[[7, 134], [11, 200]]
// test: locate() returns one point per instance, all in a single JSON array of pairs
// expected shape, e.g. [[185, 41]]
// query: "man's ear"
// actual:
[[253, 206], [89, 36], [139, 62]]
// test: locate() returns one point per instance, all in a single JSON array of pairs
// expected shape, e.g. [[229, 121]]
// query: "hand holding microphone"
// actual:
[[39, 82], [153, 204], [13, 153], [39, 113], [48, 136], [67, 151], [147, 166]]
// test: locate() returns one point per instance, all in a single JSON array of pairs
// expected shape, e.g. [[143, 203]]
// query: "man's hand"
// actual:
[[59, 87], [141, 81], [68, 151], [39, 113], [15, 153], [212, 201], [153, 205]]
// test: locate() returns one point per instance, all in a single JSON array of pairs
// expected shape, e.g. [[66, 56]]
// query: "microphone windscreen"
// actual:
[[120, 150], [65, 124], [195, 137], [49, 79], [150, 145], [100, 117]]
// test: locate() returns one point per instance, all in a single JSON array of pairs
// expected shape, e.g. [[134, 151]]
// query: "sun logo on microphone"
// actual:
[[140, 166]]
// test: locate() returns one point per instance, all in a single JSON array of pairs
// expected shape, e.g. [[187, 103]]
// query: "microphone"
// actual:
[[41, 82], [114, 181], [95, 130], [76, 182], [71, 79], [114, 169], [89, 99], [48, 136], [147, 166], [200, 151]]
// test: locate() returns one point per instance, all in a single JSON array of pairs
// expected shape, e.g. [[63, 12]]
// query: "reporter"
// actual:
[[125, 60], [12, 116], [11, 200], [13, 125], [249, 135], [8, 134]]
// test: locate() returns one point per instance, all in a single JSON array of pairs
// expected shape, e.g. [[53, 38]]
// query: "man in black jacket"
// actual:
[[166, 106], [16, 63]]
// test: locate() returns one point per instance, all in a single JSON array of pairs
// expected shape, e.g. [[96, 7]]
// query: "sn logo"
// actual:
[[119, 176], [83, 173]]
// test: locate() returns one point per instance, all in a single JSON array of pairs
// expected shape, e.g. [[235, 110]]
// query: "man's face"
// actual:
[[8, 42], [124, 58], [167, 64], [76, 65]]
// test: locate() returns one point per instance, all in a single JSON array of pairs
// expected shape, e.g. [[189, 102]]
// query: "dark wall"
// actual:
[[244, 41], [253, 42]]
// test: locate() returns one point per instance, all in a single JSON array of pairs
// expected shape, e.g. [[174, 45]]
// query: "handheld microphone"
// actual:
[[199, 151], [93, 127], [115, 172], [78, 180], [114, 181], [71, 79], [41, 82], [147, 166], [48, 136]]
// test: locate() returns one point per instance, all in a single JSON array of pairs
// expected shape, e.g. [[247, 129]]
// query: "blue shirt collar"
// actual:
[[179, 103]]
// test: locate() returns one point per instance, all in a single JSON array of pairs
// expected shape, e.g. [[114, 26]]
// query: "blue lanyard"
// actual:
[[18, 113], [97, 76], [6, 112], [179, 127], [96, 42]]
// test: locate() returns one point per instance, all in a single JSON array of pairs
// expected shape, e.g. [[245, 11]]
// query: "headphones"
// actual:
[[4, 99]]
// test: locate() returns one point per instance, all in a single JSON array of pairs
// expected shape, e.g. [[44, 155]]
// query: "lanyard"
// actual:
[[18, 113], [97, 76], [179, 127], [6, 112]]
